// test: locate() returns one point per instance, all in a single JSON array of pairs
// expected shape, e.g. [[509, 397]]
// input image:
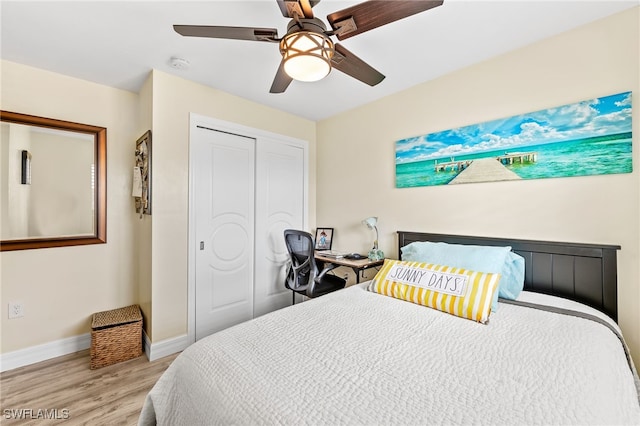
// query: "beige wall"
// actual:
[[62, 287], [173, 99], [595, 60], [144, 222]]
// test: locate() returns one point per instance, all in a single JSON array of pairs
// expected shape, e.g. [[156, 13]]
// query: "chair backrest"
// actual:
[[303, 266]]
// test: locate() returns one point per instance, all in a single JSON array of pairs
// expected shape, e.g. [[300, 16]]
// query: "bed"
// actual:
[[358, 357]]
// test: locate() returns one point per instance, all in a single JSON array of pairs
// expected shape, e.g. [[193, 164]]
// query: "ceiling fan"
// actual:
[[308, 53]]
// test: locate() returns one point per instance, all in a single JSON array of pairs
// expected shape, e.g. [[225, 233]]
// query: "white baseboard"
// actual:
[[33, 354], [70, 345], [146, 343], [165, 347]]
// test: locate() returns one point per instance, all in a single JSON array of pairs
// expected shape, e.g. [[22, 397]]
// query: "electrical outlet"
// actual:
[[16, 310]]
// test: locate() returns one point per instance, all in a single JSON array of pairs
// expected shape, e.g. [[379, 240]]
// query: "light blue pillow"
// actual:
[[478, 258], [512, 281]]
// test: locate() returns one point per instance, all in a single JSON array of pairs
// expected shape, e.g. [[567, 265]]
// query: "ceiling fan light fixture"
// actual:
[[306, 55]]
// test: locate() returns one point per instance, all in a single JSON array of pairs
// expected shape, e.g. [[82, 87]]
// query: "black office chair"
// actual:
[[303, 276]]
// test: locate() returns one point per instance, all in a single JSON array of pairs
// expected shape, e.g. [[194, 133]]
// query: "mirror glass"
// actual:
[[52, 182]]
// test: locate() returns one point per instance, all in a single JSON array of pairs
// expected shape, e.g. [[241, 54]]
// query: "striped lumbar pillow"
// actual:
[[461, 292]]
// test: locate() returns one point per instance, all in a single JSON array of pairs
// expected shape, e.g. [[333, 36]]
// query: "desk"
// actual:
[[356, 265]]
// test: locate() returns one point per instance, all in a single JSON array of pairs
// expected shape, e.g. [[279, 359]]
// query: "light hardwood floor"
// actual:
[[111, 395]]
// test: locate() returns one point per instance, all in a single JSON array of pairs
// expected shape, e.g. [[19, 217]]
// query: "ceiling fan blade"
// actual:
[[234, 33], [281, 81], [375, 13], [345, 61], [301, 7]]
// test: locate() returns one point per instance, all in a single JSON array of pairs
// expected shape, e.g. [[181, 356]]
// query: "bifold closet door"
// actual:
[[279, 206], [224, 191]]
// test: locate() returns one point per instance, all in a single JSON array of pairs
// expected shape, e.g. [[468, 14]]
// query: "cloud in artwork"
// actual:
[[596, 117], [624, 102]]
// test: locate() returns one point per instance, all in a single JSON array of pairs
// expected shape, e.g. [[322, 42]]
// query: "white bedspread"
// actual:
[[355, 357]]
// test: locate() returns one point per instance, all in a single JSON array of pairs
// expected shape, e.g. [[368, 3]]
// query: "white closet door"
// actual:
[[279, 205], [223, 169]]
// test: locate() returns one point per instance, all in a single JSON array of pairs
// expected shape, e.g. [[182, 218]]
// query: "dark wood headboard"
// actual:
[[586, 273]]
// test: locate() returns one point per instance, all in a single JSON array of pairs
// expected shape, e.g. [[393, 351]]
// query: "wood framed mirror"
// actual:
[[53, 183]]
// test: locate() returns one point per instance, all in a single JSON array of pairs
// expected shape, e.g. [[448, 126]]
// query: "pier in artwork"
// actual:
[[484, 170], [518, 157], [454, 166], [506, 159]]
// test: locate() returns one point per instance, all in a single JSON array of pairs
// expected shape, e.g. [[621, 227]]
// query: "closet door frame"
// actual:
[[196, 120]]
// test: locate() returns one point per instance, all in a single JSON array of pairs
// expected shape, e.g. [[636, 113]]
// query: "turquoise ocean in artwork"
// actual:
[[589, 156]]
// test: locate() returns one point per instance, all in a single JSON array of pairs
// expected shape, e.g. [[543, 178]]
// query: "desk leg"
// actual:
[[357, 272]]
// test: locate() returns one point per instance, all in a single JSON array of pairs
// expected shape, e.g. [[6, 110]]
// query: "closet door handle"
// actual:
[[201, 245]]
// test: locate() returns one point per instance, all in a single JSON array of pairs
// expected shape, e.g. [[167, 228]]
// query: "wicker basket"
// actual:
[[116, 336]]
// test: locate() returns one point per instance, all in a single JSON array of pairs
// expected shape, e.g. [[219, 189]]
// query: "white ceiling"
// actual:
[[117, 43]]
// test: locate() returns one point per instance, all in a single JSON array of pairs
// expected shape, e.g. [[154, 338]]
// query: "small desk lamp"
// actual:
[[374, 253]]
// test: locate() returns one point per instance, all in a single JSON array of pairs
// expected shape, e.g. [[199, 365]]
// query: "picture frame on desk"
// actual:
[[324, 238]]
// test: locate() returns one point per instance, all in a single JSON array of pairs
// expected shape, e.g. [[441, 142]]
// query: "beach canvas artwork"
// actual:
[[591, 137]]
